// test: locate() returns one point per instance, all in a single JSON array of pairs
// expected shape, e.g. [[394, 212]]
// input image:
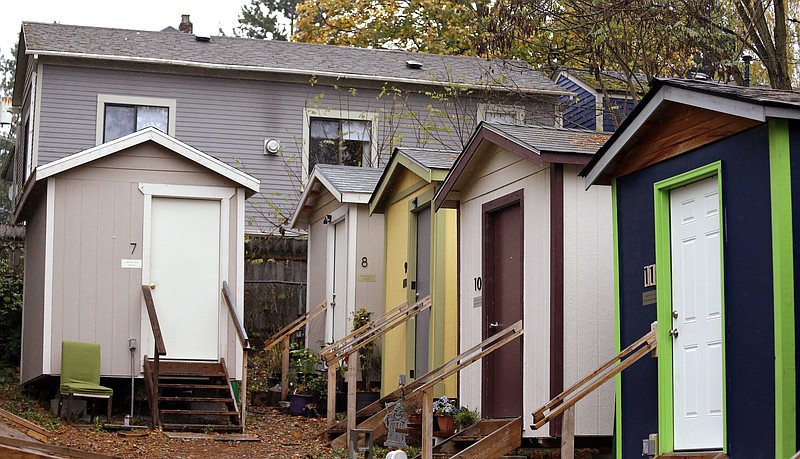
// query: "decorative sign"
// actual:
[[648, 297], [396, 419], [131, 264], [650, 276], [477, 301], [365, 278]]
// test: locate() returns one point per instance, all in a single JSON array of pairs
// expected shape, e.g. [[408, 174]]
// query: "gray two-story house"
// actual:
[[144, 158]]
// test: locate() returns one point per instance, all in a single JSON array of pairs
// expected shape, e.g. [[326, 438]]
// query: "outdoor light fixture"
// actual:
[[414, 203], [326, 219]]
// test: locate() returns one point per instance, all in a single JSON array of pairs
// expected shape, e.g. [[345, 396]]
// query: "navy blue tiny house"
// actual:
[[587, 109], [704, 213]]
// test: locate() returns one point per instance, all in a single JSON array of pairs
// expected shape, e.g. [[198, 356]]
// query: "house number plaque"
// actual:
[[650, 276]]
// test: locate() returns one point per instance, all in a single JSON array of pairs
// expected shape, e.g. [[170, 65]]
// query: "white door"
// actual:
[[697, 316], [337, 278], [184, 267]]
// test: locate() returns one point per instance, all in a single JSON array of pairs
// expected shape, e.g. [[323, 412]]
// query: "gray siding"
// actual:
[[33, 297], [229, 118], [98, 214]]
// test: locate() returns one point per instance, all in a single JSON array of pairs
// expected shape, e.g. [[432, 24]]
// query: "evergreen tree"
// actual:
[[262, 19]]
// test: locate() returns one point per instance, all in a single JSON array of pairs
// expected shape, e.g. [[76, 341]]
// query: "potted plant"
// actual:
[[369, 362], [465, 417], [307, 382], [444, 411], [262, 367]]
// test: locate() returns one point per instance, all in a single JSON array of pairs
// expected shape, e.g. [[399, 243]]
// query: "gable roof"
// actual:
[[735, 109], [429, 164], [538, 144], [347, 184], [614, 82], [234, 53]]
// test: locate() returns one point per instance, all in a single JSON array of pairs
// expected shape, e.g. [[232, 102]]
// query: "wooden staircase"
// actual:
[[191, 396], [489, 438]]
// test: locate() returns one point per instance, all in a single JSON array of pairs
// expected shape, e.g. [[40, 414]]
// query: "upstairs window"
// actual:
[[121, 120], [118, 116], [344, 142], [507, 114]]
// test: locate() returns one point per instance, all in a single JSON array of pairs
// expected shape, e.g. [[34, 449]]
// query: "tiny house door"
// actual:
[[502, 304], [423, 289], [185, 274], [697, 316], [337, 278]]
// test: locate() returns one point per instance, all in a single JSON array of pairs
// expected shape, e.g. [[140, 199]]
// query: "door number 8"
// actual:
[[364, 263]]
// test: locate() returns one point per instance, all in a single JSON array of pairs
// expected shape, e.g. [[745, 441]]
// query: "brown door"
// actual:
[[502, 304]]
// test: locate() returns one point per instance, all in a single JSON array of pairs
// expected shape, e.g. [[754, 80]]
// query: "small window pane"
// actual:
[[156, 117], [324, 129], [119, 121], [355, 130], [338, 142]]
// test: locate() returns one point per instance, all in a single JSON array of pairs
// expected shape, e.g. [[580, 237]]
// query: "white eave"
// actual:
[[740, 108], [148, 134], [346, 197]]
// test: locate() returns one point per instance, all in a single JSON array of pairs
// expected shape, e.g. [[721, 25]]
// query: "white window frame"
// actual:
[[352, 115], [112, 99], [516, 111]]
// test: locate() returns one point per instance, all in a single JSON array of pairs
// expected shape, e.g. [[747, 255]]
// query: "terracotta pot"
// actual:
[[447, 425]]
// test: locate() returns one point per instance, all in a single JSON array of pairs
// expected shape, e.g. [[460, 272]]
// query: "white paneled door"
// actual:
[[185, 271], [697, 316]]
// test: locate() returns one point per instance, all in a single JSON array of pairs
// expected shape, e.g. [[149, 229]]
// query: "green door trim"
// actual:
[[666, 438], [617, 324], [780, 185]]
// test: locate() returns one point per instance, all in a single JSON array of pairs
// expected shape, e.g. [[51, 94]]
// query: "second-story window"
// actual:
[[337, 141], [121, 120]]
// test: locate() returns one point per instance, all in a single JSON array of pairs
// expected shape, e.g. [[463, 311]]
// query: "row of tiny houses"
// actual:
[[705, 245], [501, 232]]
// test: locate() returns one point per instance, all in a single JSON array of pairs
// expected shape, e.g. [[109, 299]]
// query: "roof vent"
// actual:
[[202, 39], [416, 65]]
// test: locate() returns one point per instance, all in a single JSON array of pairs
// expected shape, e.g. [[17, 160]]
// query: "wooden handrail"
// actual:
[[151, 313], [240, 331], [245, 342], [295, 325], [161, 349], [597, 378]]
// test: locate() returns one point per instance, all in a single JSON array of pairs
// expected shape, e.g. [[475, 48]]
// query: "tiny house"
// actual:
[[704, 221], [345, 248], [421, 260], [533, 246], [144, 209]]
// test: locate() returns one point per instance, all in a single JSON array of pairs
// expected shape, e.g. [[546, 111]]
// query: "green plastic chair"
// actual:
[[80, 375]]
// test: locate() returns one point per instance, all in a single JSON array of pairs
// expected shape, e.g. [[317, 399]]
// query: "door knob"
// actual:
[[673, 333], [675, 314], [152, 286], [494, 325]]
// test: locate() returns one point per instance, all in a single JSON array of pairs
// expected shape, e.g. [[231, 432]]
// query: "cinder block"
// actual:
[[78, 407]]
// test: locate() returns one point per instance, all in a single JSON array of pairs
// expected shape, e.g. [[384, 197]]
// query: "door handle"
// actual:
[[493, 325], [673, 333]]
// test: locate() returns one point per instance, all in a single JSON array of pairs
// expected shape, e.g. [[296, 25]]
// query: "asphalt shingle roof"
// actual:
[[278, 56], [552, 139], [351, 179], [431, 159], [753, 94]]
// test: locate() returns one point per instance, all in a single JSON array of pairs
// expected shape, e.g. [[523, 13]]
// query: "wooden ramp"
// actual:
[[489, 438], [192, 396]]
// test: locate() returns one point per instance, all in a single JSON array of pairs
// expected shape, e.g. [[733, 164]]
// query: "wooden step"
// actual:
[[196, 399], [174, 427], [200, 412], [190, 368], [192, 386]]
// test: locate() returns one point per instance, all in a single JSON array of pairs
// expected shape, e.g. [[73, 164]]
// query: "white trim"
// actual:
[[224, 273], [322, 179], [314, 73], [146, 339], [782, 112], [517, 112], [37, 106], [352, 246], [186, 191], [49, 238], [336, 114], [624, 137], [139, 137], [103, 99], [711, 102], [238, 289]]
